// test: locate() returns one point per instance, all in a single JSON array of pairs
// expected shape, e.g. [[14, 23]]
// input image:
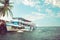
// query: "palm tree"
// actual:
[[5, 8], [3, 11]]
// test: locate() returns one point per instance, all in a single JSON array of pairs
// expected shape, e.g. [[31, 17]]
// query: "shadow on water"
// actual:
[[43, 33]]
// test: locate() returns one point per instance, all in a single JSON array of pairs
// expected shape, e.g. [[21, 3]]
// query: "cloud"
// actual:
[[26, 2], [57, 3], [58, 15], [38, 7], [53, 2], [30, 3], [48, 1], [49, 12], [11, 0], [34, 16]]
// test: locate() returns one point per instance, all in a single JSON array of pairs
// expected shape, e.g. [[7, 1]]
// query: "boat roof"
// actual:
[[22, 19]]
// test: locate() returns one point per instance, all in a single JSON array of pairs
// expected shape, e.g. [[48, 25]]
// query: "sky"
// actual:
[[40, 12]]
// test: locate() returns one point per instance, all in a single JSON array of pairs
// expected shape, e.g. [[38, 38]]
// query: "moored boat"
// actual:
[[20, 25]]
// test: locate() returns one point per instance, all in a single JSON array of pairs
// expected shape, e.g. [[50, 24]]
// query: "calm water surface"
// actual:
[[42, 33]]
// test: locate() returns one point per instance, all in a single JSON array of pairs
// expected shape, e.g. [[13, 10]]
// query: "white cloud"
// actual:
[[50, 12], [57, 3], [26, 2], [58, 15], [48, 1], [34, 16], [11, 0], [54, 2], [38, 7], [30, 2]]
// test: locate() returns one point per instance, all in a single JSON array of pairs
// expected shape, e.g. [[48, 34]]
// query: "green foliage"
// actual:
[[6, 8]]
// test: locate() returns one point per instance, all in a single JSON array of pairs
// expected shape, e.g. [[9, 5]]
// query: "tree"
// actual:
[[5, 8]]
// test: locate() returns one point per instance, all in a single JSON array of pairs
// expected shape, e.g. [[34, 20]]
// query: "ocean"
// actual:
[[40, 33]]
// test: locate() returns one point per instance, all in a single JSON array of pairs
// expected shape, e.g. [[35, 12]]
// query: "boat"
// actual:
[[20, 25]]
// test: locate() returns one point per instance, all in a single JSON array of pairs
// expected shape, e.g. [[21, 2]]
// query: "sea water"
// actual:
[[40, 33]]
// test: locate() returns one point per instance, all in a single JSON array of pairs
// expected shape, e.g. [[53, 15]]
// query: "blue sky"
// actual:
[[40, 12]]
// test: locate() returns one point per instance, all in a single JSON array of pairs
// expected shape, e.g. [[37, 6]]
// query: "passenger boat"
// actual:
[[20, 25]]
